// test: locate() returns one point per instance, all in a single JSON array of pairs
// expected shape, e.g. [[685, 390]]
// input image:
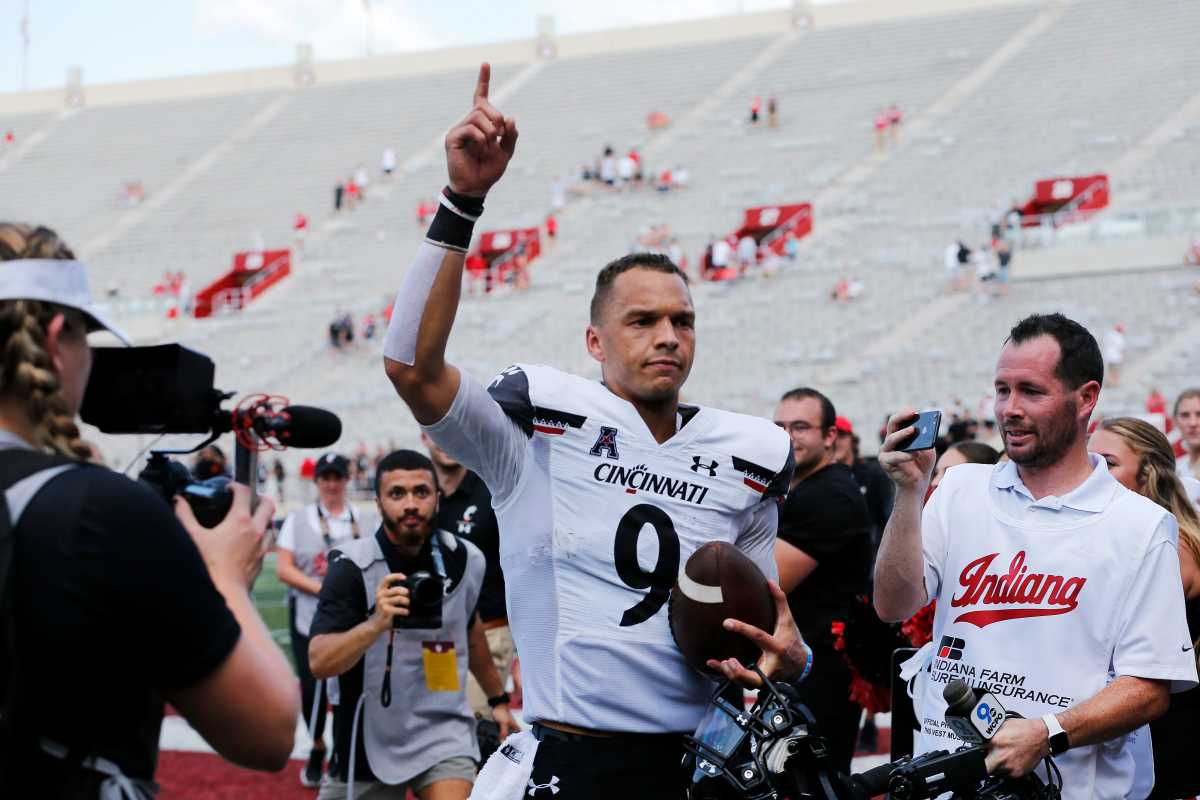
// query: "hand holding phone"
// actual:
[[926, 426], [906, 453]]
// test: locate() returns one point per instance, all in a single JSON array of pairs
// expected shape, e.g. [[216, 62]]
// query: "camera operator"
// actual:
[[307, 536], [1058, 589], [111, 605], [402, 720]]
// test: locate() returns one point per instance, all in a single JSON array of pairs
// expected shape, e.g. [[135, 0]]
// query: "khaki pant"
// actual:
[[454, 768], [500, 644]]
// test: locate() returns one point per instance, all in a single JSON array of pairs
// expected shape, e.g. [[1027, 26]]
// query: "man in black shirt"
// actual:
[[465, 509], [427, 735], [824, 553]]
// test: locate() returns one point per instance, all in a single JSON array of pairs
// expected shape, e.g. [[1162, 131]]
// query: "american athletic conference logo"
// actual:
[[606, 443]]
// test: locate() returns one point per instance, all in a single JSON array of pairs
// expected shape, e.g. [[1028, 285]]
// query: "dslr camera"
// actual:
[[425, 593]]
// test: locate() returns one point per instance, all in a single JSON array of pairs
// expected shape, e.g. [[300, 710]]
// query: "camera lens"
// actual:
[[425, 590]]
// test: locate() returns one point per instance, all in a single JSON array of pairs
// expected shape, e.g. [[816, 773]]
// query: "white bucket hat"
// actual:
[[52, 280]]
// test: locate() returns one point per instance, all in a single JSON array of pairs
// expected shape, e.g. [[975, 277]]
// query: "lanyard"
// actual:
[[324, 523]]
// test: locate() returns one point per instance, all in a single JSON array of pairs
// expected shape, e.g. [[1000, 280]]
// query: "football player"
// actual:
[[602, 490]]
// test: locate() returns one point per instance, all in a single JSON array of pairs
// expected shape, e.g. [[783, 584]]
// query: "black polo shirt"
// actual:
[[827, 517], [468, 513]]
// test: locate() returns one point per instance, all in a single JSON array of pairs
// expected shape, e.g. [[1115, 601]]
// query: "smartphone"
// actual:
[[927, 425]]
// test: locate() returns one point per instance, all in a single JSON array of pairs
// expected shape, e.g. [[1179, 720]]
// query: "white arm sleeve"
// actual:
[[480, 435], [757, 539], [400, 343]]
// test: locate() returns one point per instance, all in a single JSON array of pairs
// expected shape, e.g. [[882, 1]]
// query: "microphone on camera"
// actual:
[[973, 716], [290, 426]]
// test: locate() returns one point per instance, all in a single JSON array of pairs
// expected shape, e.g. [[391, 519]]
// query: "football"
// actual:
[[719, 582]]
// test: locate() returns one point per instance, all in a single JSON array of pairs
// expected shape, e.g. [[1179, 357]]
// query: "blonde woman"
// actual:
[[1141, 459], [108, 606]]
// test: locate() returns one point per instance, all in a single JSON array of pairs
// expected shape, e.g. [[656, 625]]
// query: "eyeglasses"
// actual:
[[797, 426]]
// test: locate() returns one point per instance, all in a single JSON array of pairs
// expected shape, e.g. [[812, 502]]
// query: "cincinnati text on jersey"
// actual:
[[640, 479], [1028, 593]]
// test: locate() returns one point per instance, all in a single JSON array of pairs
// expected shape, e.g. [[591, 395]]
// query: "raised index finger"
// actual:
[[485, 78]]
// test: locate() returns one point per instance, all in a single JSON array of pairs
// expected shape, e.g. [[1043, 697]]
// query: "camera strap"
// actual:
[[23, 473], [324, 523], [439, 564]]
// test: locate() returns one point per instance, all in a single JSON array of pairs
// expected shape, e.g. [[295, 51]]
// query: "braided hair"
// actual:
[[27, 373]]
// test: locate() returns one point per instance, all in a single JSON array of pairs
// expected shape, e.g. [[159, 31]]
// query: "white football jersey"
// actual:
[[596, 520]]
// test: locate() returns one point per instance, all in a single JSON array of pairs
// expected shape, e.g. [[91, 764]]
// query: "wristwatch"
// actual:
[[501, 699], [1059, 743]]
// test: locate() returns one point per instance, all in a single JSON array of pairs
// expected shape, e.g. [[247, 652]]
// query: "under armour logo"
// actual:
[[698, 465], [552, 786], [606, 442]]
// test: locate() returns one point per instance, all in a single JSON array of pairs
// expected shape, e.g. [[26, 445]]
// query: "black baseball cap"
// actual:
[[332, 462]]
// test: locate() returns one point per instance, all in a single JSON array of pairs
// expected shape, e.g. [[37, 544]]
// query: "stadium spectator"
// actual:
[[308, 535], [465, 509], [368, 326], [747, 253], [1045, 515], [97, 567], [894, 119], [10, 138], [477, 274], [300, 229], [551, 227], [425, 209], [881, 126], [755, 108], [1113, 346], [608, 168], [1141, 459], [1004, 255], [1187, 418], [680, 177], [791, 246], [591, 730], [339, 195], [676, 254], [824, 558], [772, 113], [626, 170], [402, 719], [132, 194], [210, 463], [954, 267], [388, 162], [965, 452], [719, 263], [353, 193], [558, 194], [361, 179]]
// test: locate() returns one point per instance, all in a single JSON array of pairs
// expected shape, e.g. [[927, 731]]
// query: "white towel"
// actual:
[[506, 773]]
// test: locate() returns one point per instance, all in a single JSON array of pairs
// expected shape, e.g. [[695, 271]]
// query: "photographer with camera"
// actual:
[[307, 536], [1057, 589], [397, 624], [108, 604]]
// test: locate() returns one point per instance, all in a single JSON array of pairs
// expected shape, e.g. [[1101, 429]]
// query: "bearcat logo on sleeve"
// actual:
[[1028, 594]]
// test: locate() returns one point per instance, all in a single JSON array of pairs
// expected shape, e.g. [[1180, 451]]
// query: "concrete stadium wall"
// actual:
[[739, 26]]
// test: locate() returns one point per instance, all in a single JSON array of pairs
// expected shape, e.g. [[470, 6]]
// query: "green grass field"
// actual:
[[271, 598]]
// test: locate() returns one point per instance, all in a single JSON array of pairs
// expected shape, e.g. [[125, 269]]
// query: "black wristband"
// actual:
[[450, 230], [471, 207], [454, 221], [501, 699]]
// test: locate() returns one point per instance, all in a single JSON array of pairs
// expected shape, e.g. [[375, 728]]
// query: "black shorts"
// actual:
[[629, 766]]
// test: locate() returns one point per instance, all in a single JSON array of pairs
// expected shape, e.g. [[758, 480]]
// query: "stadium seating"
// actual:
[[1080, 90]]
